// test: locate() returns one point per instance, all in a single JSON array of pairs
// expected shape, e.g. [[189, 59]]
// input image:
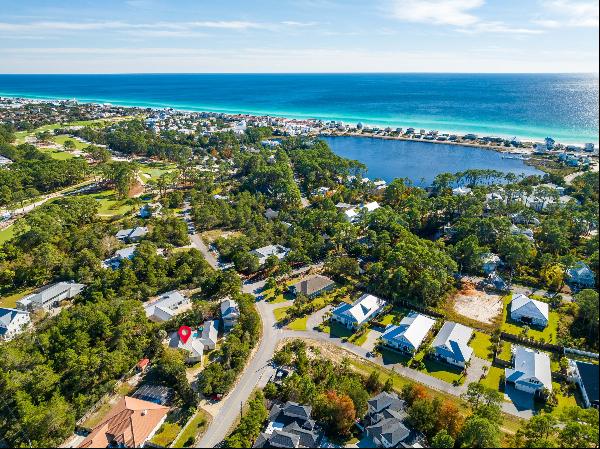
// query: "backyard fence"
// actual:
[[530, 342], [591, 355]]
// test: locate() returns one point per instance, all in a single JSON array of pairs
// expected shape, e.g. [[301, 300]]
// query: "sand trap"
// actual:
[[477, 305]]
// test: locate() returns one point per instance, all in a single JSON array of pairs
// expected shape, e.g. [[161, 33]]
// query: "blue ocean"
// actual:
[[563, 106]]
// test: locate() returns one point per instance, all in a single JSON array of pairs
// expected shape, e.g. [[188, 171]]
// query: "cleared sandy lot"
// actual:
[[478, 305]]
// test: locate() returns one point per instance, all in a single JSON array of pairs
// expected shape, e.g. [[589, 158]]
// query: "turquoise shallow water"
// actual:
[[421, 161], [525, 105]]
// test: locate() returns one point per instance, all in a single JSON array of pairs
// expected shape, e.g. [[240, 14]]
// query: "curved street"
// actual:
[[259, 370]]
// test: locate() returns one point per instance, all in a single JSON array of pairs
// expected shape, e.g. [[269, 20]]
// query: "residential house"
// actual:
[[461, 191], [149, 210], [290, 426], [354, 213], [580, 276], [409, 334], [515, 230], [130, 423], [586, 377], [167, 306], [230, 313], [529, 311], [210, 333], [490, 262], [451, 344], [359, 312], [12, 322], [132, 235], [531, 372], [193, 347], [122, 254], [312, 286], [385, 423], [271, 250], [50, 296]]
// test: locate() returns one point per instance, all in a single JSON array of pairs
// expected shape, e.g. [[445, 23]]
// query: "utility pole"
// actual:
[[241, 410]]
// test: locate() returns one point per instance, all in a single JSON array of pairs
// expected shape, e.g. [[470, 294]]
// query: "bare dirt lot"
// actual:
[[476, 304]]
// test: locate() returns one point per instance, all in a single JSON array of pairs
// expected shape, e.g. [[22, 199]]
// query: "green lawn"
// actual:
[[166, 434], [506, 353], [359, 340], [60, 140], [156, 169], [391, 357], [442, 371], [196, 426], [280, 313], [394, 316], [10, 301], [512, 327], [7, 233], [59, 155], [338, 330], [481, 344], [299, 324], [109, 205], [492, 379]]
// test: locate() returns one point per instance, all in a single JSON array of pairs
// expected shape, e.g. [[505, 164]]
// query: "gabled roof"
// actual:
[[313, 284], [385, 400], [589, 379], [53, 290], [229, 309], [168, 303], [129, 424], [8, 315], [210, 332], [279, 438], [193, 346], [529, 307], [412, 329], [392, 429], [295, 410], [530, 364], [362, 309], [453, 338]]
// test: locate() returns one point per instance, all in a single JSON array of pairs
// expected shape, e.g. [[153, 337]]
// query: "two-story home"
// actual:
[[130, 423], [312, 286], [230, 313], [132, 235], [580, 276], [409, 334], [451, 344], [50, 296], [529, 311], [271, 250], [290, 426], [12, 322], [167, 306], [531, 372], [359, 312]]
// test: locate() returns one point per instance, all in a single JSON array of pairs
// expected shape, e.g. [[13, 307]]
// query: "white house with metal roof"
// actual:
[[132, 234], [531, 370], [230, 313], [451, 344], [359, 312], [210, 334], [50, 296], [271, 250], [529, 311], [193, 347], [409, 334], [12, 322], [167, 306]]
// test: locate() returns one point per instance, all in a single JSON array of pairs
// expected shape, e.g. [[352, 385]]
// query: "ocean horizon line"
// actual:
[[597, 74], [291, 116]]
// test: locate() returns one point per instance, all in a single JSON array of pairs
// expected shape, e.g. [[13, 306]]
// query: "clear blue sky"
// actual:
[[110, 36]]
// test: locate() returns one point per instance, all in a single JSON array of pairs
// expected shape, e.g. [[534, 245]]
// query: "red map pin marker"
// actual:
[[184, 333]]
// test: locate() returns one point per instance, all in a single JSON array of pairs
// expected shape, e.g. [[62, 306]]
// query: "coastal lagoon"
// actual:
[[421, 161], [562, 106]]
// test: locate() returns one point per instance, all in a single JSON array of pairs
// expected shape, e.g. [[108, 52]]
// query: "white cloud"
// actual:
[[159, 28], [571, 13], [457, 13], [439, 12]]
